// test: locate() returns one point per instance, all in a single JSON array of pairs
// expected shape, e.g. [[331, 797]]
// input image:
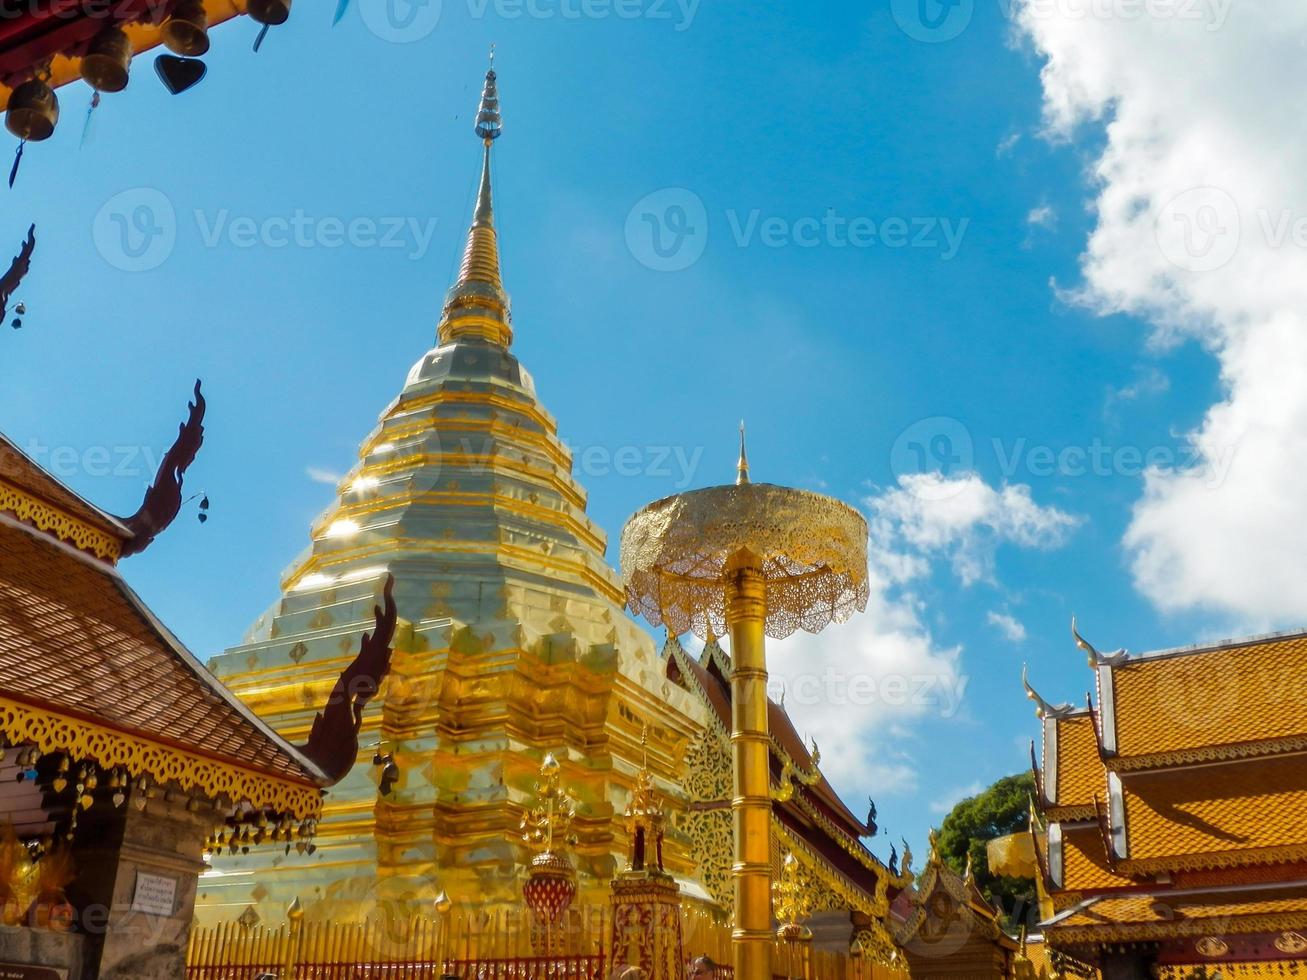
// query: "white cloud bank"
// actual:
[[853, 685], [1201, 206]]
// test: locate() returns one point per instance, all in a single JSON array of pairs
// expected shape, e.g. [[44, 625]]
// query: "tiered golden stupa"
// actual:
[[513, 642], [1176, 842]]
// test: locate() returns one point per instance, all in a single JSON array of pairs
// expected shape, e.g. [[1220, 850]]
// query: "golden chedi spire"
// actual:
[[742, 467], [476, 305]]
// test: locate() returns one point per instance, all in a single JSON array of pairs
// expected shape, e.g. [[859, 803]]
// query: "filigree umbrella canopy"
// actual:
[[812, 550]]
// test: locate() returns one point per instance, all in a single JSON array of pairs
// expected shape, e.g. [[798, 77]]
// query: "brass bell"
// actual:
[[186, 31], [107, 61], [33, 111], [270, 12]]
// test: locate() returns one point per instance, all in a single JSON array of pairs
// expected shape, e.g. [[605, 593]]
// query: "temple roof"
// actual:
[[1073, 771], [1085, 866], [78, 644], [1254, 811], [1228, 700], [30, 38], [1166, 915], [34, 496]]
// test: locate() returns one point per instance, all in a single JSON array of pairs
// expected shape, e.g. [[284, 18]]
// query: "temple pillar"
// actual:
[[134, 893], [746, 611]]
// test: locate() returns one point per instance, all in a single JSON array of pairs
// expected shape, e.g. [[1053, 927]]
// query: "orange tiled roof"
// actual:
[[1084, 862], [75, 639], [1080, 773], [1217, 702], [1252, 811], [1154, 916]]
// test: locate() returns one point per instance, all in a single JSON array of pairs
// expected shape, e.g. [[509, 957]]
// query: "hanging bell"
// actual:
[[33, 111], [186, 31], [273, 13], [108, 60]]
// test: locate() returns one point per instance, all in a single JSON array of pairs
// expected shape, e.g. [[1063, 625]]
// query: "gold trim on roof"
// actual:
[[1134, 931], [1208, 753], [46, 517], [1207, 860], [51, 731]]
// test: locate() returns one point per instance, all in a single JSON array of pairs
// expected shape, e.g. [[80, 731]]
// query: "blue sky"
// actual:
[[955, 366]]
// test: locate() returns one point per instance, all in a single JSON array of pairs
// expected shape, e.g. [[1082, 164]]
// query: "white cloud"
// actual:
[[319, 475], [861, 688], [1044, 216], [966, 519], [1008, 625], [1199, 190]]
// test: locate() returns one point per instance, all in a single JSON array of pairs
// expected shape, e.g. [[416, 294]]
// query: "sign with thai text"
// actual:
[[154, 895]]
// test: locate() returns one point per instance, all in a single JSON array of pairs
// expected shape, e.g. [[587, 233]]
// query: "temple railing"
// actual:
[[477, 945]]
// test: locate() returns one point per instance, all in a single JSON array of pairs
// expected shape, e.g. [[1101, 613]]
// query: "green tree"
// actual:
[[1002, 809]]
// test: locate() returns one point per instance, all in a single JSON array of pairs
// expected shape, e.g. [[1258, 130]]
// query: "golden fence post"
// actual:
[[294, 932]]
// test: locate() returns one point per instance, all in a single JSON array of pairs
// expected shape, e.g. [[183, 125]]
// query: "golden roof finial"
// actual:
[[742, 468], [476, 305]]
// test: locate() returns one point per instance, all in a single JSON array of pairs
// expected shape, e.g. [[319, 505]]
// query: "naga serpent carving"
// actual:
[[163, 500], [334, 738]]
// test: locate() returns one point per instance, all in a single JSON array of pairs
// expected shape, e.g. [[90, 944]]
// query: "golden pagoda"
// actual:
[[513, 643], [1176, 809]]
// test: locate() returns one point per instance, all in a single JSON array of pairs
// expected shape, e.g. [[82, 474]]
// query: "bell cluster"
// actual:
[[239, 835], [105, 64]]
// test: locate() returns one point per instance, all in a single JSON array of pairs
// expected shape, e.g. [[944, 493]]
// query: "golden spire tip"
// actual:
[[742, 468]]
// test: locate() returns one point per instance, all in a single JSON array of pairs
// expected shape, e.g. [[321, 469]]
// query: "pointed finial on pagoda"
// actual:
[[489, 124], [742, 467], [476, 306]]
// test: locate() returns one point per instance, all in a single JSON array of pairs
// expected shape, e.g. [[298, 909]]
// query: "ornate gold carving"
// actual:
[[813, 552], [1291, 942], [1208, 753], [63, 526], [50, 732], [1213, 859], [1211, 947], [1171, 928]]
